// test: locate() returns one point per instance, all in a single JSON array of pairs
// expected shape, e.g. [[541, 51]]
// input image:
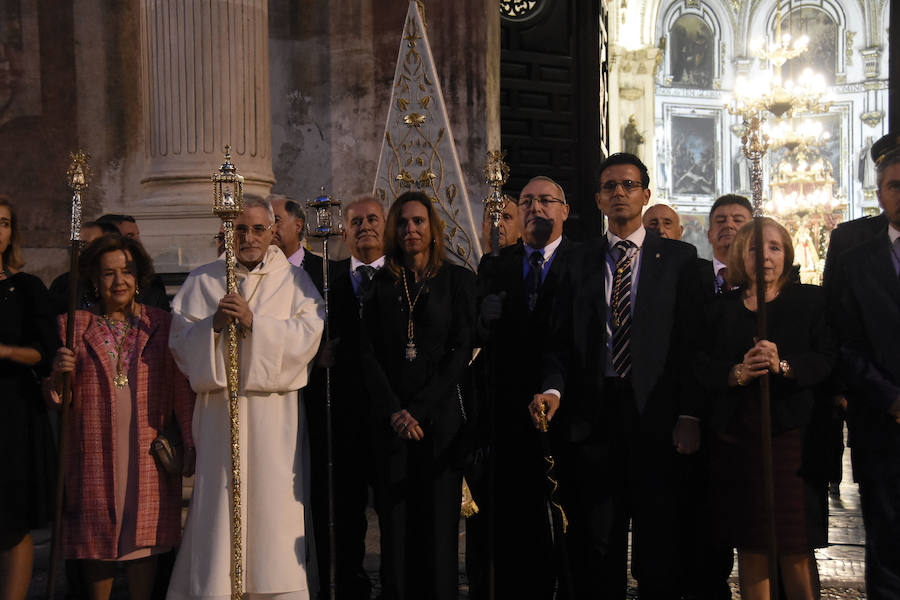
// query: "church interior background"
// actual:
[[154, 89]]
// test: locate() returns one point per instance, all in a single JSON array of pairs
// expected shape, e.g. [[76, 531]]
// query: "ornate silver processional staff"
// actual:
[[496, 172], [228, 203], [324, 220], [78, 177]]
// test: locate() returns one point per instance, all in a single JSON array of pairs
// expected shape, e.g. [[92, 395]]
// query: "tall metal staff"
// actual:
[[325, 220], [228, 203], [496, 172], [78, 177], [755, 142]]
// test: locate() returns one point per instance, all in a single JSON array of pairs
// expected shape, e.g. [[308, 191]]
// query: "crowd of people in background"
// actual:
[[645, 359]]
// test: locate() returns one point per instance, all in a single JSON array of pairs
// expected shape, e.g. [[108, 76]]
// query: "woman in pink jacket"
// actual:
[[121, 505]]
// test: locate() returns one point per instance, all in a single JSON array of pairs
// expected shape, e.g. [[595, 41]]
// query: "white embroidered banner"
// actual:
[[418, 152]]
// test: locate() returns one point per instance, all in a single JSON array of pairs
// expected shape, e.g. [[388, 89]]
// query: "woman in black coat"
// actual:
[[799, 354], [27, 343], [418, 320]]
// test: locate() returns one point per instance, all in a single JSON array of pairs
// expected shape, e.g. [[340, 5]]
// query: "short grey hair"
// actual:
[[562, 194], [254, 201], [364, 199]]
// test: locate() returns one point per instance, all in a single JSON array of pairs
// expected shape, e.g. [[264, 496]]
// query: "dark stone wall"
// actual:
[[332, 67]]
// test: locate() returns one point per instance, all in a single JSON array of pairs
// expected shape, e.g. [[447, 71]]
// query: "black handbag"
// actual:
[[168, 449]]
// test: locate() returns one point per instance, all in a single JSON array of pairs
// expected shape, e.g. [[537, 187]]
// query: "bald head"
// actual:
[[663, 219]]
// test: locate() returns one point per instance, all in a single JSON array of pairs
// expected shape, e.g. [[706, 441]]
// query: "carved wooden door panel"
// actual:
[[550, 101]]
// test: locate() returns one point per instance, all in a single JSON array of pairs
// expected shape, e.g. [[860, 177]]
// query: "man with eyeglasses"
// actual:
[[517, 290], [280, 315], [621, 365]]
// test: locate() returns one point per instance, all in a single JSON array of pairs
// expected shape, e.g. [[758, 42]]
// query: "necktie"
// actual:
[[366, 273], [895, 250], [722, 281], [533, 282], [620, 303]]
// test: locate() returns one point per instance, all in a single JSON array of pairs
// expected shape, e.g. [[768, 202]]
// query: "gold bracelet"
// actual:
[[739, 374]]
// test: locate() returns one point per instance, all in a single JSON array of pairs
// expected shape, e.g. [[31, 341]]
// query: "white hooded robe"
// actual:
[[275, 357]]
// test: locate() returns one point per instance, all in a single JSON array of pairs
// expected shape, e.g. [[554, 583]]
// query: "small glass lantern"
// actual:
[[324, 217], [228, 190]]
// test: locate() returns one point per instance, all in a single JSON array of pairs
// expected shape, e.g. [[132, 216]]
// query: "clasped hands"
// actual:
[[759, 360], [232, 307], [406, 426]]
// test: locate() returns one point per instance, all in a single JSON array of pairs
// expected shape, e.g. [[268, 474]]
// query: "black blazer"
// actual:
[[444, 319], [796, 324], [707, 277], [844, 237], [517, 340], [667, 317], [870, 349], [351, 402], [312, 264]]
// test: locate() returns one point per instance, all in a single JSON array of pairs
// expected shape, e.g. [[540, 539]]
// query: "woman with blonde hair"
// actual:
[[418, 330], [27, 343], [798, 355]]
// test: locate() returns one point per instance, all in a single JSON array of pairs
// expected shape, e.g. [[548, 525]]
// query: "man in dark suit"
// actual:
[[517, 290], [870, 355], [623, 345], [845, 236], [290, 223], [348, 282], [728, 214]]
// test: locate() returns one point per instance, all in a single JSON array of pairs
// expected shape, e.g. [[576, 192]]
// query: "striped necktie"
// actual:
[[620, 303]]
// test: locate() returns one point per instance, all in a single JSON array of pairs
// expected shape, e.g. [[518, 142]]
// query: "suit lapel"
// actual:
[[596, 275], [649, 274], [881, 267]]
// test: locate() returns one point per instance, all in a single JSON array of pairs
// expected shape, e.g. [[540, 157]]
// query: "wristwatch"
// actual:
[[784, 368]]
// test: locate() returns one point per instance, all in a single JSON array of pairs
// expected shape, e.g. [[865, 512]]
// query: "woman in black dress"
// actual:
[[27, 342], [798, 354], [418, 320]]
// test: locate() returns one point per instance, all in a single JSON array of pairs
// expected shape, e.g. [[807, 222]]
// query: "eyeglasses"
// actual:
[[627, 184], [545, 201], [258, 230]]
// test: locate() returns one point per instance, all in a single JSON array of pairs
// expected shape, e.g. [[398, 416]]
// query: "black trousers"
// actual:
[[352, 473], [879, 492], [417, 496], [706, 562], [624, 474]]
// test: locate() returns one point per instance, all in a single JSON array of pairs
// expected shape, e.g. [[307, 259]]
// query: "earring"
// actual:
[[137, 289]]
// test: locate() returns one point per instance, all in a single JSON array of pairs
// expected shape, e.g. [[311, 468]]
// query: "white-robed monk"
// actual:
[[281, 315]]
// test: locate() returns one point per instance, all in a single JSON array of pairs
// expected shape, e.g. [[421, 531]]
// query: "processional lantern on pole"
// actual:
[[324, 220], [496, 172], [228, 203], [78, 177]]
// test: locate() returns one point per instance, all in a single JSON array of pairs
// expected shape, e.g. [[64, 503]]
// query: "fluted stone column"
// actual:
[[205, 84]]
